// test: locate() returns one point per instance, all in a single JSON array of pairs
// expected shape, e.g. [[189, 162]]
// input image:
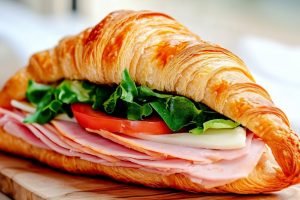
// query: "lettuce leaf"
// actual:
[[177, 111], [215, 124], [35, 91], [125, 100], [72, 91], [219, 124]]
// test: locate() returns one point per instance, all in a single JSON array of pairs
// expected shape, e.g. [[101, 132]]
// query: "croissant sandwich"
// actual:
[[141, 99]]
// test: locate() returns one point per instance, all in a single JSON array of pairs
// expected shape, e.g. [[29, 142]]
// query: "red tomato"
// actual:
[[96, 120]]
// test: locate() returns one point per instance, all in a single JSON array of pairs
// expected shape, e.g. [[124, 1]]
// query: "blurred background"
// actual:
[[264, 33]]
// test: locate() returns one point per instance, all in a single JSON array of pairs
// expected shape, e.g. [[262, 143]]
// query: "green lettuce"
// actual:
[[125, 100], [215, 124]]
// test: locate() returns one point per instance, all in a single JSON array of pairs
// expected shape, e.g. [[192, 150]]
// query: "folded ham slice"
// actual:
[[42, 134], [51, 139], [38, 134], [206, 166], [197, 155], [225, 170], [23, 132], [99, 144], [53, 135], [4, 119]]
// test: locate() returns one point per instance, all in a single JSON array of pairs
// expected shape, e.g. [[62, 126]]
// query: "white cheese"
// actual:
[[210, 139], [27, 107]]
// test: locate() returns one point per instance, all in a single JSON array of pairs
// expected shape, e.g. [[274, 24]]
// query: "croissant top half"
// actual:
[[162, 54]]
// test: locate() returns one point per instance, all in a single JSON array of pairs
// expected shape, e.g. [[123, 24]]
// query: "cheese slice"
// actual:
[[210, 139]]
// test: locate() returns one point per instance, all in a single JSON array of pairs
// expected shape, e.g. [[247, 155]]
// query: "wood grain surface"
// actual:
[[23, 179]]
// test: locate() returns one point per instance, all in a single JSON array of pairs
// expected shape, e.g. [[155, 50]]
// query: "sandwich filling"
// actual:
[[134, 126]]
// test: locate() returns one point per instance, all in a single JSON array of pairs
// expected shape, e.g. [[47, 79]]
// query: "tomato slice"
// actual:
[[96, 120]]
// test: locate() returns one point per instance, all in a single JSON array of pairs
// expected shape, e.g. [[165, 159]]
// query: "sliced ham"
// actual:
[[169, 165], [205, 166], [197, 155], [54, 136], [50, 143], [24, 133], [51, 135], [55, 143], [213, 174], [3, 119], [38, 134], [234, 169], [86, 150], [43, 134], [99, 144]]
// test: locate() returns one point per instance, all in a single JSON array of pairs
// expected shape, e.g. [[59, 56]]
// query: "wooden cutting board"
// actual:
[[22, 179]]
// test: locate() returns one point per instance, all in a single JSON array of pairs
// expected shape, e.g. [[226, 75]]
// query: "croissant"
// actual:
[[162, 54]]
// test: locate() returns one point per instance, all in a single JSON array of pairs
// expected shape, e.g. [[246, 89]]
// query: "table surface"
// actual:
[[3, 196], [23, 179]]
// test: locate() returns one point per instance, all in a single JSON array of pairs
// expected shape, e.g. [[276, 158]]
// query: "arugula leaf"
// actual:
[[100, 95], [111, 103], [72, 91], [65, 108], [177, 112], [54, 106], [182, 111], [42, 115], [138, 112], [145, 92], [129, 90], [161, 108], [126, 91], [36, 91], [126, 95]]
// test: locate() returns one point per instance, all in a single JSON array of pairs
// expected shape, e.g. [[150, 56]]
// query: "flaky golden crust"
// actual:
[[164, 55], [17, 146]]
